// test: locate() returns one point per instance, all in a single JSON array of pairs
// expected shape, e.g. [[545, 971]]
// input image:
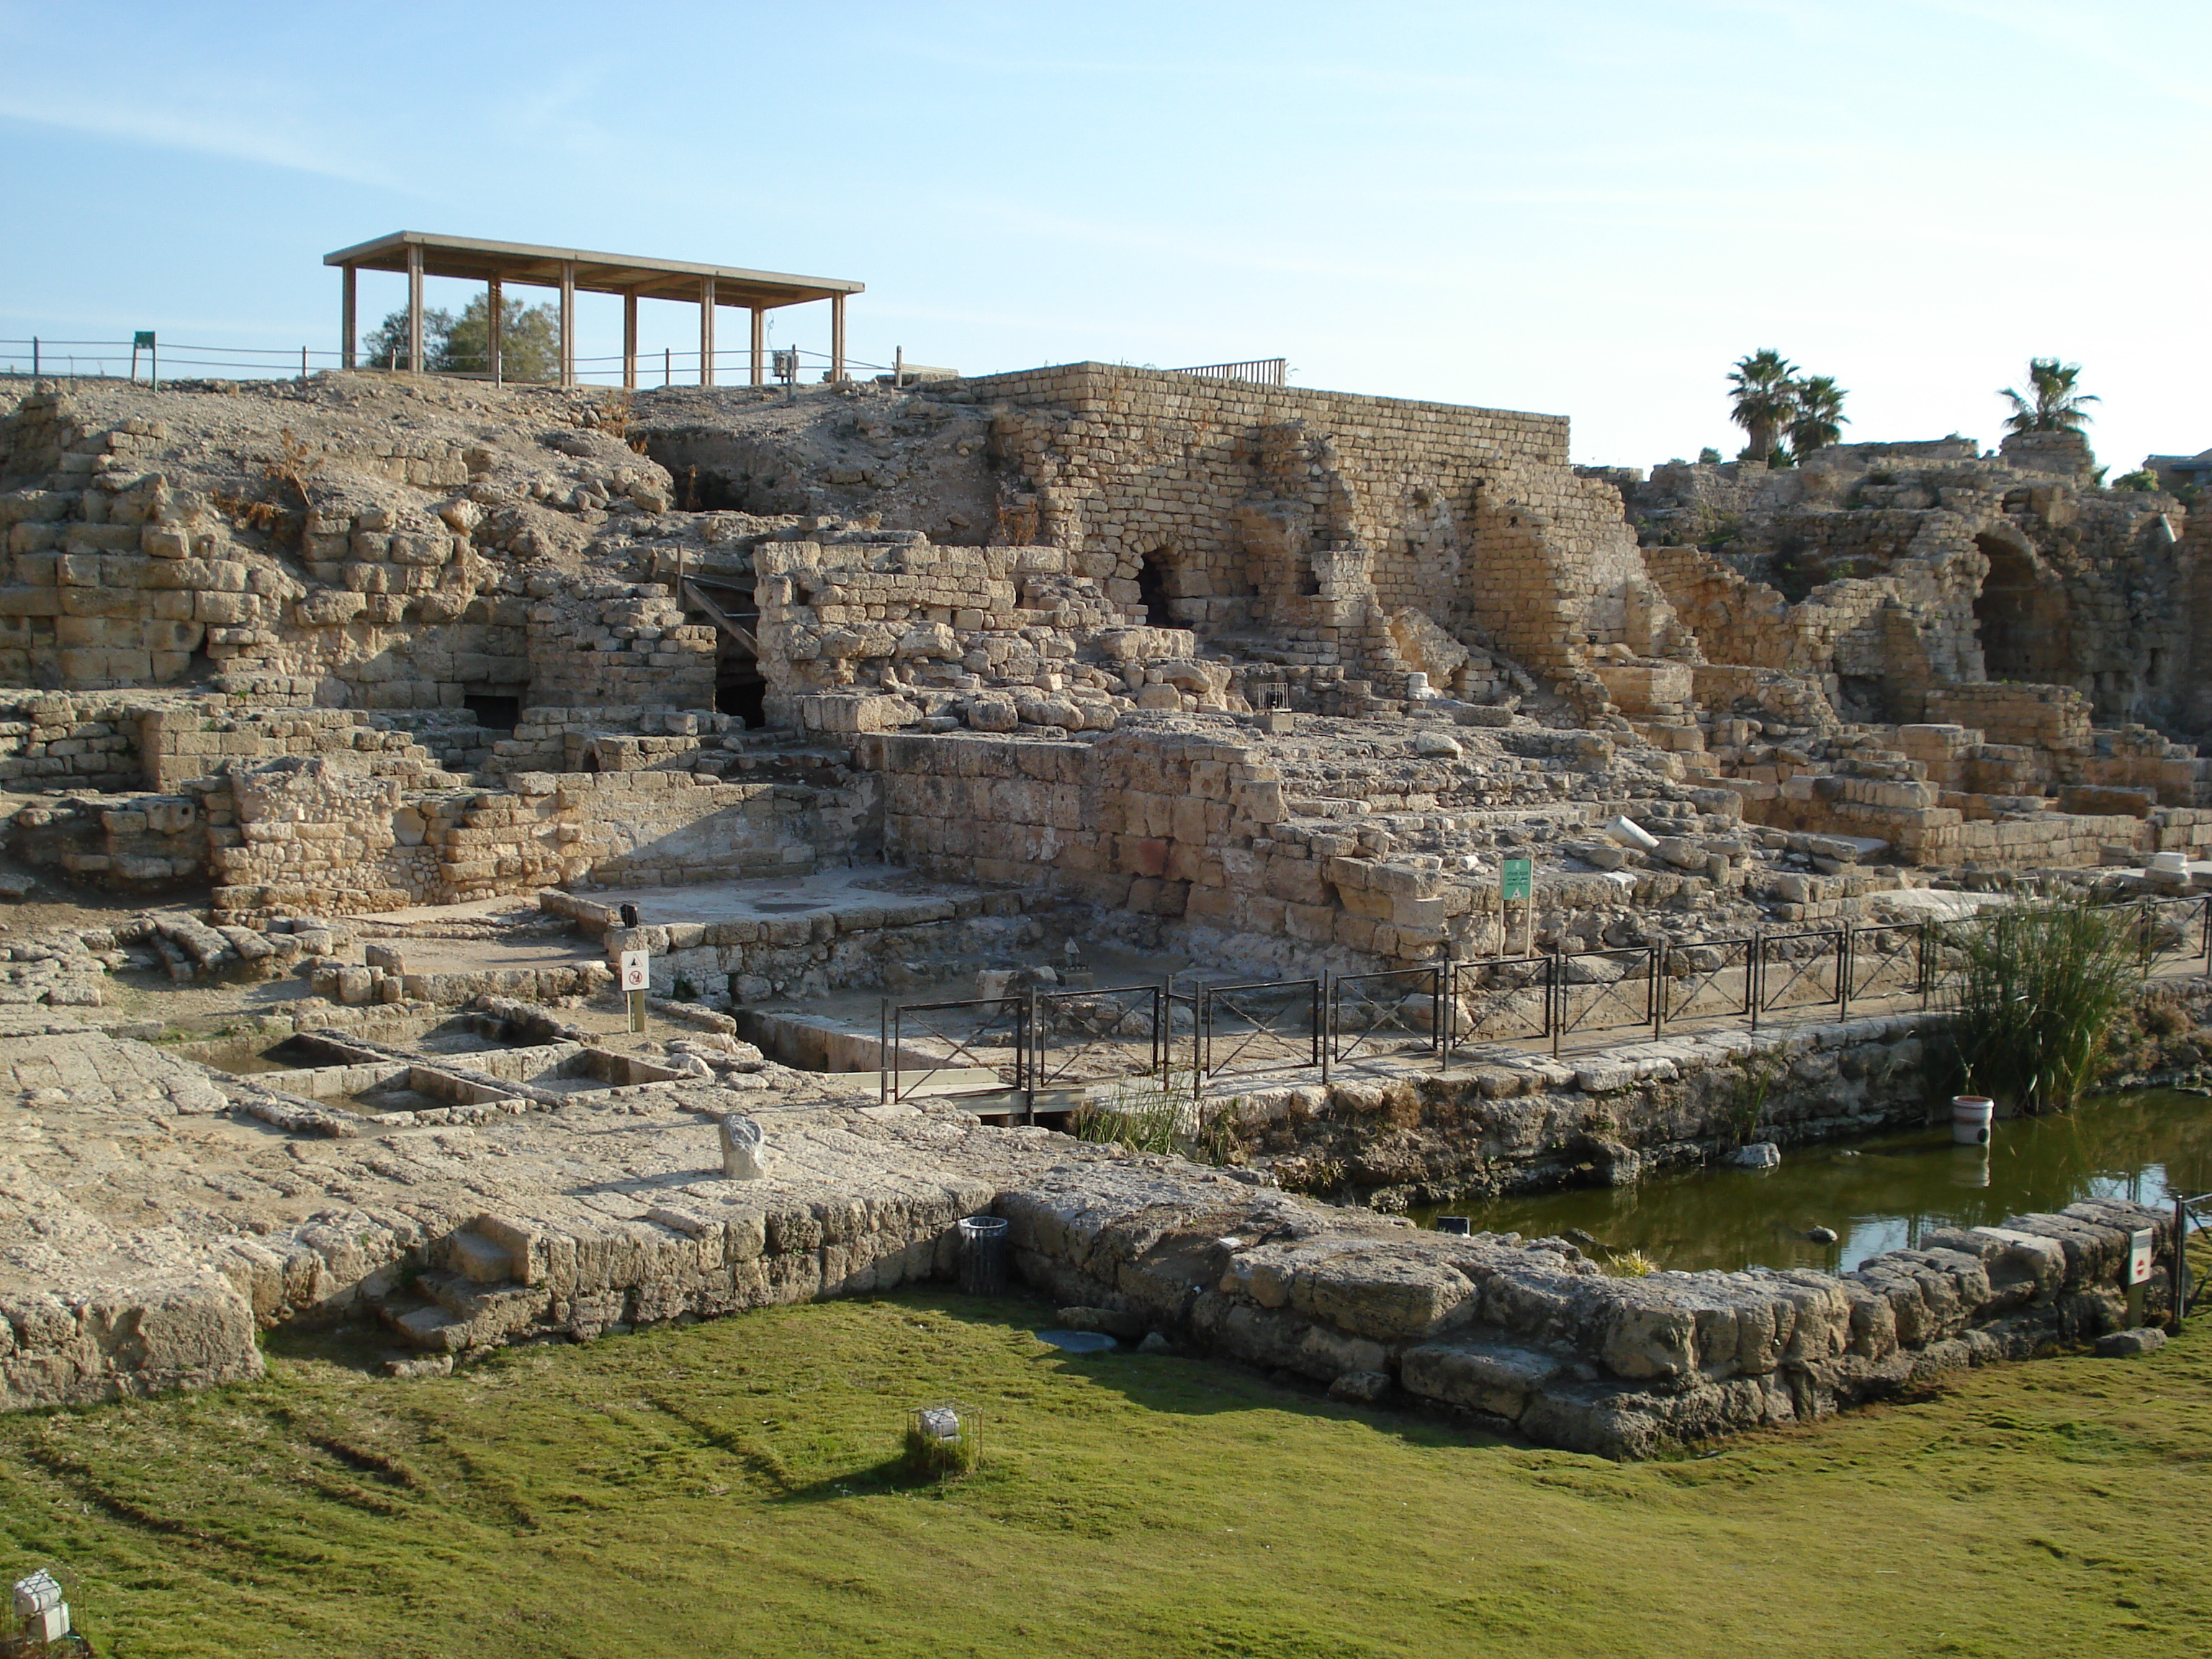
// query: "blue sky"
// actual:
[[1586, 209]]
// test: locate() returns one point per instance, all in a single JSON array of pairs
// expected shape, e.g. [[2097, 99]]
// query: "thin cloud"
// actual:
[[178, 130]]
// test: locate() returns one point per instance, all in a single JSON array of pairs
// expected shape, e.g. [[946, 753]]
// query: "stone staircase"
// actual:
[[469, 1300]]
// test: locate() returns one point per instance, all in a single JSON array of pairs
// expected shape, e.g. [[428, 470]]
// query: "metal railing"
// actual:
[[987, 1033], [1259, 370], [1799, 971], [1069, 1040], [1708, 982], [1887, 960], [1376, 1016], [1608, 990], [1270, 1025], [1078, 1038], [39, 357]]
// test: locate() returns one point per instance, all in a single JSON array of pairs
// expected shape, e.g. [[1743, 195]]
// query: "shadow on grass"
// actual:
[[1194, 1385], [1180, 1384], [360, 1346]]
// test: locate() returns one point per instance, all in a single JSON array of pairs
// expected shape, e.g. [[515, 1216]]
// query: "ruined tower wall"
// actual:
[[1471, 515]]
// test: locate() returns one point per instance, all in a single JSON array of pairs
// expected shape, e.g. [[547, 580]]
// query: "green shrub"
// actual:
[[2039, 992]]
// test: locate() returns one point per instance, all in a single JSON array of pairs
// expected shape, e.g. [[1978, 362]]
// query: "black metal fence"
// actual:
[[1042, 1040]]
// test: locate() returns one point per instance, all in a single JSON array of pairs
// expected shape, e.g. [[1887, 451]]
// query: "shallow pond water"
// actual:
[[1881, 1192]]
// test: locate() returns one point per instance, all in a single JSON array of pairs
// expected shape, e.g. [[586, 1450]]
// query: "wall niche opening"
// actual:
[[1153, 591], [2008, 615], [495, 711]]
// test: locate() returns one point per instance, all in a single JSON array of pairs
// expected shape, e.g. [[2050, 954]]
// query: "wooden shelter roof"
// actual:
[[475, 260]]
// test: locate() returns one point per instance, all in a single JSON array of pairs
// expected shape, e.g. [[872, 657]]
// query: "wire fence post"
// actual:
[[2178, 1271], [1558, 997], [1326, 1025], [1447, 1011]]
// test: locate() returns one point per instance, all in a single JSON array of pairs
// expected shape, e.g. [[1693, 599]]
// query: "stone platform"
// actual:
[[152, 1226]]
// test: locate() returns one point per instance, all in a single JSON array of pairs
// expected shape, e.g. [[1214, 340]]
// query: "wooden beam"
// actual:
[[348, 322], [414, 309], [760, 341], [629, 342], [705, 331], [567, 322], [836, 337], [495, 327]]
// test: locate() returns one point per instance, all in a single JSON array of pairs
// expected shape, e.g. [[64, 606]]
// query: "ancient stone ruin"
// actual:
[[369, 701]]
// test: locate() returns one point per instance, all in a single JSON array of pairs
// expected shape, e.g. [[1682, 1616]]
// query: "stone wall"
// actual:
[[900, 616], [1530, 1337], [1960, 569], [310, 838], [1316, 515], [289, 580], [1135, 820], [1207, 830], [846, 947]]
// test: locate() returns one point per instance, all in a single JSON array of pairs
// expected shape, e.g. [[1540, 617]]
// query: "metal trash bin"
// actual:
[[983, 1255]]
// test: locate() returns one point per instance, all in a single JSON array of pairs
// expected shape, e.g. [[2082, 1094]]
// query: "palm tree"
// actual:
[[1818, 419], [1764, 399], [2056, 406]]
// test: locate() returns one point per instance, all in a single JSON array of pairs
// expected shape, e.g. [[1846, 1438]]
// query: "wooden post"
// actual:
[[495, 331], [898, 367], [629, 342], [348, 323], [705, 331], [836, 337], [415, 307], [760, 344], [567, 322]]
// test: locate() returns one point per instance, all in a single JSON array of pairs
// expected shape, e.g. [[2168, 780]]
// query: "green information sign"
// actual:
[[1513, 878], [143, 340]]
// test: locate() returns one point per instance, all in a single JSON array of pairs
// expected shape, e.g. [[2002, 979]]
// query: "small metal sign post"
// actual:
[[1516, 881], [2142, 1241], [143, 341], [637, 975]]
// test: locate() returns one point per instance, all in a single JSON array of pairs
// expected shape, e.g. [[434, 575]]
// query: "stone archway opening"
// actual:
[[1153, 591], [2006, 614]]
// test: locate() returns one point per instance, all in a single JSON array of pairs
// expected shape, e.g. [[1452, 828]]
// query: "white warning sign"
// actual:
[[635, 973]]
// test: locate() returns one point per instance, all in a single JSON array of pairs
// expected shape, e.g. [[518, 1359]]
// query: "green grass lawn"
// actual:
[[728, 1489]]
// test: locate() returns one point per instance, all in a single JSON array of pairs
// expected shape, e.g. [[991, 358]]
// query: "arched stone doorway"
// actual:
[[1153, 591], [2017, 616]]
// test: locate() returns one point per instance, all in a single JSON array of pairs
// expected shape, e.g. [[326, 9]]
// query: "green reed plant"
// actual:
[[2038, 991], [1155, 1115], [1144, 1114]]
